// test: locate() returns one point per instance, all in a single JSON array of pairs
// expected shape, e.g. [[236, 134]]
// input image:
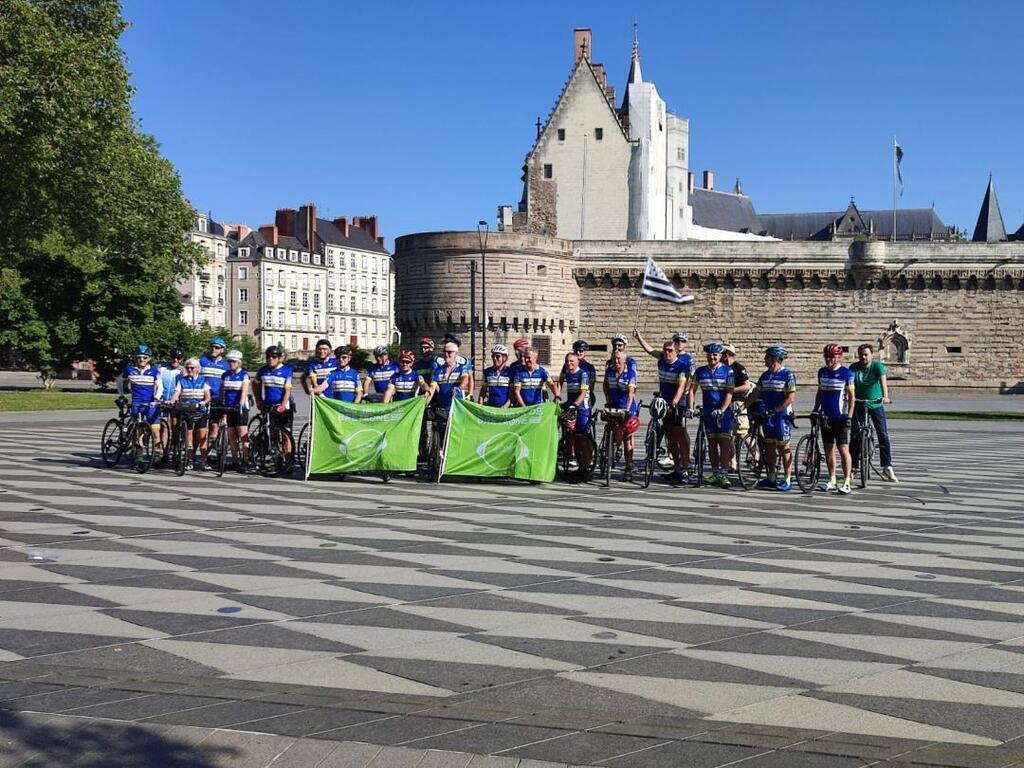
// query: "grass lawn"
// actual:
[[954, 416], [54, 400]]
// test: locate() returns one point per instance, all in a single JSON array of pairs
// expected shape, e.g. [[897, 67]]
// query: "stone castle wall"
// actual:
[[943, 296]]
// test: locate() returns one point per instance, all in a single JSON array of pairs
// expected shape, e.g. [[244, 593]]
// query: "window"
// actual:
[[599, 133], [352, 305], [243, 253], [280, 319], [243, 317], [316, 322], [280, 298], [353, 325], [330, 259], [293, 255], [316, 301], [305, 258], [373, 286], [316, 258], [293, 298], [954, 350], [270, 275], [681, 154], [352, 261], [374, 327], [295, 341], [243, 273], [373, 306], [202, 225], [305, 299], [384, 327], [330, 324], [364, 263], [561, 134], [270, 319], [364, 327], [542, 270], [282, 254], [549, 172], [243, 294], [330, 303]]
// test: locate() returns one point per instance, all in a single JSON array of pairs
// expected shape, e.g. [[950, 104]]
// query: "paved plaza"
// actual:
[[156, 620]]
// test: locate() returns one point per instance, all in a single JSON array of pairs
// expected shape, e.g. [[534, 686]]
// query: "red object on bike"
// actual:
[[833, 349], [280, 409], [631, 425]]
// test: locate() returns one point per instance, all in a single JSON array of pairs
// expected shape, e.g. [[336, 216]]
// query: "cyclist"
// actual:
[[497, 380], [741, 388], [193, 389], [519, 347], [405, 382], [528, 385], [454, 338], [872, 386], [144, 381], [673, 382], [679, 341], [214, 366], [234, 394], [715, 381], [272, 390], [620, 394], [343, 382], [582, 348], [834, 405], [169, 373], [449, 379], [776, 391], [425, 364], [319, 366], [577, 382], [619, 345], [378, 375]]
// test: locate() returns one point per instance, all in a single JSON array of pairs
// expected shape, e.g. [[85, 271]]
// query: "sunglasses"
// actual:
[[191, 368]]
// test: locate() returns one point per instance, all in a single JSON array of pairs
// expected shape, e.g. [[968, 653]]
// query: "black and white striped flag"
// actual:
[[658, 287]]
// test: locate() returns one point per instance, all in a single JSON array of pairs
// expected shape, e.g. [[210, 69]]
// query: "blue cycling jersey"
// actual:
[[531, 385], [143, 382], [272, 383], [342, 384], [576, 382], [619, 386], [406, 384], [499, 382], [168, 380], [381, 375], [447, 383], [834, 386], [321, 369], [714, 383], [192, 389], [775, 386], [231, 387], [670, 375], [690, 362], [212, 370]]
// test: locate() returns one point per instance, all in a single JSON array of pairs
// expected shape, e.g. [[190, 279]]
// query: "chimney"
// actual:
[[380, 241], [601, 78], [241, 231], [269, 233], [307, 219], [342, 224], [357, 221], [284, 219], [370, 225], [709, 180], [580, 44], [689, 183]]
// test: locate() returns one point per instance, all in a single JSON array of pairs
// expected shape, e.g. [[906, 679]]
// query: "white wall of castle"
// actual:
[[648, 130], [678, 214]]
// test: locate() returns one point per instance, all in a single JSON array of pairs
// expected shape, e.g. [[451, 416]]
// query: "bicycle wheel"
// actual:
[[563, 454], [221, 447], [866, 445], [808, 462], [180, 451], [273, 458], [142, 458], [438, 454], [650, 453], [746, 464], [607, 458], [302, 450], [111, 444], [700, 454]]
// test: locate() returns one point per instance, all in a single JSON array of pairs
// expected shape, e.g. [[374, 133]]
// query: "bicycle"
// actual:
[[611, 449], [436, 423], [185, 415], [568, 450], [219, 446], [127, 433], [867, 453], [652, 439], [266, 446], [745, 451], [808, 456]]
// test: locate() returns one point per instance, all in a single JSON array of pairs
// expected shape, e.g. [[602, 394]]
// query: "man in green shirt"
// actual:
[[872, 392]]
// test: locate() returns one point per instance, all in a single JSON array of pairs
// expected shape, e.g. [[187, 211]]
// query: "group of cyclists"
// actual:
[[216, 392]]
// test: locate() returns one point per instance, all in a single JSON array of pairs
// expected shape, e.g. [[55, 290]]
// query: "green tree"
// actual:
[[94, 217]]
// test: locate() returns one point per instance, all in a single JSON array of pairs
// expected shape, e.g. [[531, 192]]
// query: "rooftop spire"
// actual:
[[635, 75], [989, 228]]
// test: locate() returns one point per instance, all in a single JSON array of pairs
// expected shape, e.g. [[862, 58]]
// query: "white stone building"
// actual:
[[203, 294]]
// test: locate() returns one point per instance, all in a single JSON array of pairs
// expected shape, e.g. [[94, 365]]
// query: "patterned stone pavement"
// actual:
[[244, 621]]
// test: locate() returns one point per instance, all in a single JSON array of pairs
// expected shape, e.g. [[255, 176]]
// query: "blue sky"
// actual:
[[421, 112]]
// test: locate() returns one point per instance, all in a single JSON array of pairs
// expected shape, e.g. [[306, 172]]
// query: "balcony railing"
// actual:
[[204, 276]]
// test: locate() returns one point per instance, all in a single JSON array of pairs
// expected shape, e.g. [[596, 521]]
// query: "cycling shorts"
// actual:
[[674, 417], [835, 431], [742, 423], [718, 427], [278, 420], [150, 413], [237, 418], [777, 428]]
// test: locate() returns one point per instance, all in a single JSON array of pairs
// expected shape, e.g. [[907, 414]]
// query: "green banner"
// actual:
[[502, 442], [364, 438]]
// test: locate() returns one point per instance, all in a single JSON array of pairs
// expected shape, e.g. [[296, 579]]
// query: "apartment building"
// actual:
[[203, 294]]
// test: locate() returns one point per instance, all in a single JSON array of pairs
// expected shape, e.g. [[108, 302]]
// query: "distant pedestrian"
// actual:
[[871, 389]]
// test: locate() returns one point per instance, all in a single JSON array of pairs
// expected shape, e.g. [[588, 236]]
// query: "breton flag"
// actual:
[[658, 287], [898, 150]]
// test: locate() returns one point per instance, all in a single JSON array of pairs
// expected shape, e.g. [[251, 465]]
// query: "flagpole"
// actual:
[[639, 298], [894, 172]]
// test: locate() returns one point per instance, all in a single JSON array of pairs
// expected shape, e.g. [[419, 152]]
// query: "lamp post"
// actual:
[[483, 229]]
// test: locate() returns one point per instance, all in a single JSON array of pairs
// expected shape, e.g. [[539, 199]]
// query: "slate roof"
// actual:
[[1019, 234], [911, 224], [724, 210], [989, 228], [358, 239]]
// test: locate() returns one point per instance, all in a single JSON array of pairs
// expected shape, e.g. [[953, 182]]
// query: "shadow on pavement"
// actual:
[[35, 741]]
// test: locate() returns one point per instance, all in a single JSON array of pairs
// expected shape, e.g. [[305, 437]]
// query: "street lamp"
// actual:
[[483, 229]]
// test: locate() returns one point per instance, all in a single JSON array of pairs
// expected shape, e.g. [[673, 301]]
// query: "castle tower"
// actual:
[[989, 228]]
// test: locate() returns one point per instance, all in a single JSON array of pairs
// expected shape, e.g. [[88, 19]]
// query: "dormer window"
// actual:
[[202, 224]]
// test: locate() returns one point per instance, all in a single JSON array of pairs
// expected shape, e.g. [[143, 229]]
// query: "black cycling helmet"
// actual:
[[342, 350], [323, 343], [177, 353], [580, 346], [454, 338], [274, 351]]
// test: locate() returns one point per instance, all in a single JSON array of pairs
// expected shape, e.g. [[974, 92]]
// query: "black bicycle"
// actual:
[[184, 417], [866, 445], [129, 434], [219, 446], [573, 470], [808, 456], [435, 424], [611, 448], [267, 441], [658, 408]]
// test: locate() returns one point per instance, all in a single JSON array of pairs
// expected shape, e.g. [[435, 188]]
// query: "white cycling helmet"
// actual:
[[658, 408], [234, 354], [499, 349]]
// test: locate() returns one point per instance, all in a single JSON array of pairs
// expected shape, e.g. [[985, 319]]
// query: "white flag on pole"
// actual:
[[658, 287]]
